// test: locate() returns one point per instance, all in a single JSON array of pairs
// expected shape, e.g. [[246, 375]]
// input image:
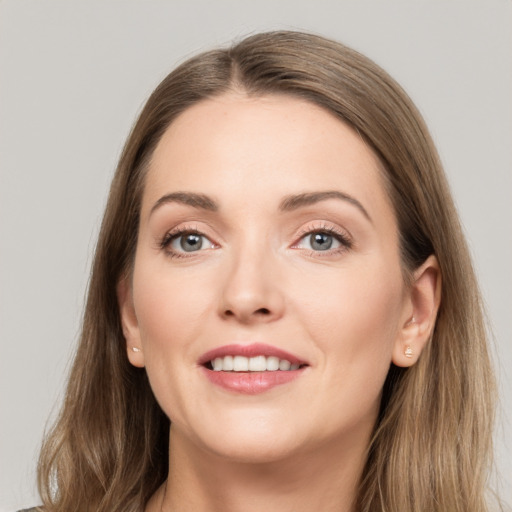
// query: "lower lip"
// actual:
[[251, 383]]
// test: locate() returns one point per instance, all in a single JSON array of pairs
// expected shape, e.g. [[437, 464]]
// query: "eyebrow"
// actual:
[[200, 201], [294, 202], [288, 204]]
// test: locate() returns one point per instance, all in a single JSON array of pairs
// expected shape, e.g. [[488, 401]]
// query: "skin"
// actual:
[[346, 311]]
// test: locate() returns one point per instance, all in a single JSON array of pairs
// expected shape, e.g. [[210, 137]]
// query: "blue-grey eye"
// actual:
[[320, 241], [190, 242]]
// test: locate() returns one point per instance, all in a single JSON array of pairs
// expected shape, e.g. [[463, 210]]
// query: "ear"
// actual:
[[420, 313], [129, 323]]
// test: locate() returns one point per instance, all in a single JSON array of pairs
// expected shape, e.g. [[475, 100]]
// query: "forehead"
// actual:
[[235, 146]]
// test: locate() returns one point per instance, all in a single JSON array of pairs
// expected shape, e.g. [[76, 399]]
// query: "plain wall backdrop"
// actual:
[[73, 76]]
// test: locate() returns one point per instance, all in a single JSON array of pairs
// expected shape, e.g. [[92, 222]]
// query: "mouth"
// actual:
[[260, 363], [251, 369]]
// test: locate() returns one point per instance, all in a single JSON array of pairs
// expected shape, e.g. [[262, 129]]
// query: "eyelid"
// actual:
[[164, 242], [175, 237], [342, 235]]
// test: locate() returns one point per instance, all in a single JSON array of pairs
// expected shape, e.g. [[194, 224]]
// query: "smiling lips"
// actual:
[[250, 369], [251, 364]]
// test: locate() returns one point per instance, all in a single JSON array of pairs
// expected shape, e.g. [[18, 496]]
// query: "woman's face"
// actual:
[[266, 239]]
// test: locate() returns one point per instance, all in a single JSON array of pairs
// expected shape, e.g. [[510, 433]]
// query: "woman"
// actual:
[[282, 312]]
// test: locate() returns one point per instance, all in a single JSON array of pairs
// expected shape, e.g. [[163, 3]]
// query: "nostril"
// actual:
[[246, 315]]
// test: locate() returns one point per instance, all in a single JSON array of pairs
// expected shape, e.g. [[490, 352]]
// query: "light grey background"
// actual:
[[73, 76]]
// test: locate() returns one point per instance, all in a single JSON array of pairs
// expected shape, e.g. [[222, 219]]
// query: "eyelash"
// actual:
[[341, 237], [176, 233]]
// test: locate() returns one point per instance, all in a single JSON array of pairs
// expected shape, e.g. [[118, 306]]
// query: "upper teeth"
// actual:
[[251, 364]]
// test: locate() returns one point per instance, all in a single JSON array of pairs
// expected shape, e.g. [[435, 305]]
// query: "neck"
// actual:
[[325, 479]]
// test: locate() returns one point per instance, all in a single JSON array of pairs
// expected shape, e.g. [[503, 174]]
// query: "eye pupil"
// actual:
[[191, 242], [320, 241]]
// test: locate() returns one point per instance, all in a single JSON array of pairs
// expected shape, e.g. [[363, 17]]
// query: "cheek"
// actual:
[[169, 306], [170, 309], [354, 319]]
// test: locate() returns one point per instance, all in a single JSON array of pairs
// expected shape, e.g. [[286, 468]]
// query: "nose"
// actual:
[[251, 291]]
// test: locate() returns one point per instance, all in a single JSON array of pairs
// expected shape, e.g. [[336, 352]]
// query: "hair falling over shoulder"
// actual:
[[431, 448]]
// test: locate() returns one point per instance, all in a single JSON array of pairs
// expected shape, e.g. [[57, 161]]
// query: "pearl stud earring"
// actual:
[[408, 352], [136, 349]]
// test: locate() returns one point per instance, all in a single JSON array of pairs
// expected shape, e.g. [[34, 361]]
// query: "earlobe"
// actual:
[[420, 315], [129, 324]]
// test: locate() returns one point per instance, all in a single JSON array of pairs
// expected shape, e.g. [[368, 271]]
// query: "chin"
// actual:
[[254, 442], [253, 453]]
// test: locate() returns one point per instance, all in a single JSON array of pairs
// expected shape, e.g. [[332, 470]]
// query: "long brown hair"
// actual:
[[431, 447]]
